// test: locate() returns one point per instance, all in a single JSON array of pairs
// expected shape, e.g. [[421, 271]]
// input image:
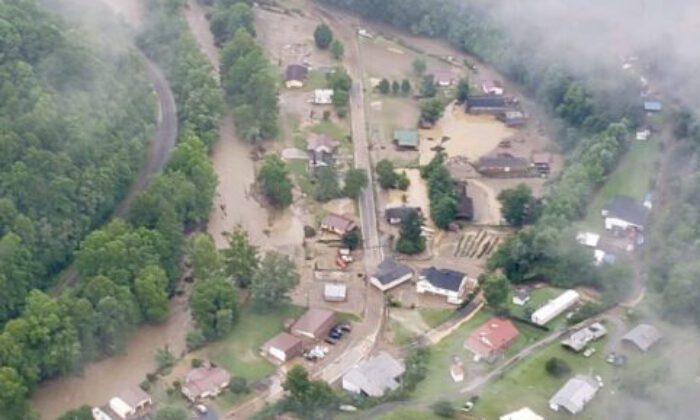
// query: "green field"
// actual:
[[239, 352], [406, 414], [435, 316], [632, 177]]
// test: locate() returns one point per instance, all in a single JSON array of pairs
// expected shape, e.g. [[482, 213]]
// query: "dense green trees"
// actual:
[[463, 90], [273, 180], [225, 20], [441, 191], [496, 289], [273, 280], [411, 240], [327, 186], [240, 258], [337, 49], [388, 177], [323, 36], [306, 398], [431, 110], [518, 206], [214, 305], [355, 181]]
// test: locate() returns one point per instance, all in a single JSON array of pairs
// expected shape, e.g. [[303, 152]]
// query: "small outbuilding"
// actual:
[[443, 78], [542, 162], [575, 394], [335, 223], [295, 76], [521, 296], [524, 413], [130, 403], [314, 324], [652, 106], [503, 165], [205, 382], [491, 338], [555, 307], [644, 336], [390, 274], [374, 377], [284, 347], [335, 292], [512, 118], [323, 96], [407, 139]]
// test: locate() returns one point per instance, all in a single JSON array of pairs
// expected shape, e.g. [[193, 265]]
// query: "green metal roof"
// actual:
[[406, 138]]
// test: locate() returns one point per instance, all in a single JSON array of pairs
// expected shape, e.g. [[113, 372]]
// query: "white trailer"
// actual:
[[555, 307]]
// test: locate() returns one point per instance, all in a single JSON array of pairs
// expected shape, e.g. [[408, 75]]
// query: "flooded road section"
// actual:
[[469, 135], [234, 203]]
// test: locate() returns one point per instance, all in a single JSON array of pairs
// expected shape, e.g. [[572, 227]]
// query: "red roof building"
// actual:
[[492, 337]]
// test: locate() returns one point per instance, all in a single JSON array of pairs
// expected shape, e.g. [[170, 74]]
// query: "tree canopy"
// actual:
[[273, 280], [274, 182], [323, 36], [411, 241]]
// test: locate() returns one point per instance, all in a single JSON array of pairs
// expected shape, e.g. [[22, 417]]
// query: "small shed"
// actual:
[[284, 347], [335, 292], [130, 402], [512, 118], [406, 139], [443, 78], [492, 87], [652, 106], [323, 96]]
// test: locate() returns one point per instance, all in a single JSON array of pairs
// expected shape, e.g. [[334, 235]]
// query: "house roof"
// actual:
[[491, 84], [322, 141], [335, 290], [575, 394], [486, 101], [389, 270], [588, 239], [296, 72], [407, 138], [205, 379], [627, 209], [523, 414], [283, 341], [502, 161], [338, 222], [542, 158], [314, 320], [443, 76], [376, 375], [323, 95], [580, 339], [401, 212], [465, 204], [521, 293], [444, 278], [133, 396], [643, 336], [652, 105], [493, 335], [511, 115]]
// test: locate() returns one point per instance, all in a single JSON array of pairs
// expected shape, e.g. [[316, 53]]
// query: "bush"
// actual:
[[309, 231], [443, 408], [557, 367], [195, 339], [197, 363], [145, 385], [239, 385], [151, 377]]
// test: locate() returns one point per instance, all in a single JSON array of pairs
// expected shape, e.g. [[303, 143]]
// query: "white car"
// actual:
[[600, 381], [589, 352], [201, 408]]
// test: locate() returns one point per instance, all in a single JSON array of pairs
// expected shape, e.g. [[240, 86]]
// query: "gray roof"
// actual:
[[296, 72], [501, 161], [627, 209], [376, 375], [444, 278], [486, 101], [389, 271], [580, 339], [643, 336], [401, 212], [652, 105], [575, 394]]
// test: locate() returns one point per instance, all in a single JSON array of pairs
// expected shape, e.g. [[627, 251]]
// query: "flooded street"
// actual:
[[470, 135]]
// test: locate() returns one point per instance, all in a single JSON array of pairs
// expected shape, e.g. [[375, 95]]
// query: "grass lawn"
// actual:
[[331, 129], [410, 415], [632, 177], [401, 335], [239, 351], [434, 316], [300, 171], [315, 80], [528, 384]]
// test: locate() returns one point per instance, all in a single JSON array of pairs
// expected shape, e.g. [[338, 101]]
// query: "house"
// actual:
[[321, 149], [588, 239], [542, 161], [575, 394], [643, 134], [523, 414], [295, 76], [644, 336], [374, 377], [397, 215], [318, 160], [284, 347], [623, 213], [323, 96], [443, 78], [335, 223], [491, 104], [503, 165], [492, 87], [443, 282], [580, 339], [465, 204], [512, 118], [652, 106], [314, 324], [491, 338], [555, 307], [335, 292], [390, 274], [205, 382], [521, 296], [98, 414], [130, 403], [406, 139]]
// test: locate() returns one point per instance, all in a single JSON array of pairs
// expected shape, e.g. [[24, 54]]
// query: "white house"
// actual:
[[575, 394], [323, 96], [524, 413], [589, 239], [130, 402], [390, 274], [374, 377], [623, 213], [444, 282], [555, 307]]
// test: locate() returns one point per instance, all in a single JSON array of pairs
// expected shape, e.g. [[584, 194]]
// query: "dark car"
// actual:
[[335, 334], [344, 327], [330, 340]]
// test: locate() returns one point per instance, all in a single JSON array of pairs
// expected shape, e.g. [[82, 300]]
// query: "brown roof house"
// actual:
[[205, 382], [503, 165], [130, 403], [494, 336], [335, 223], [295, 76], [284, 347], [314, 324]]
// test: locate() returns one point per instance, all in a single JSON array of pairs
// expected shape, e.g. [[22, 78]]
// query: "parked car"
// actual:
[[335, 334], [344, 327], [201, 408], [332, 341]]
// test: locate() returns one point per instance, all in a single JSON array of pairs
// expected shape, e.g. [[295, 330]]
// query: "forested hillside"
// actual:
[[128, 268], [75, 123]]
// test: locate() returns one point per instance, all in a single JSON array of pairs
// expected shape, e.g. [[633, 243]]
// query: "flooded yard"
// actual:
[[468, 135]]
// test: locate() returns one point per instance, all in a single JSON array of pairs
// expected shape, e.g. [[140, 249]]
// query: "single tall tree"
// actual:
[[241, 257], [337, 49], [272, 282], [323, 36], [411, 241], [214, 306], [496, 289], [518, 205], [355, 181], [308, 399], [274, 182]]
